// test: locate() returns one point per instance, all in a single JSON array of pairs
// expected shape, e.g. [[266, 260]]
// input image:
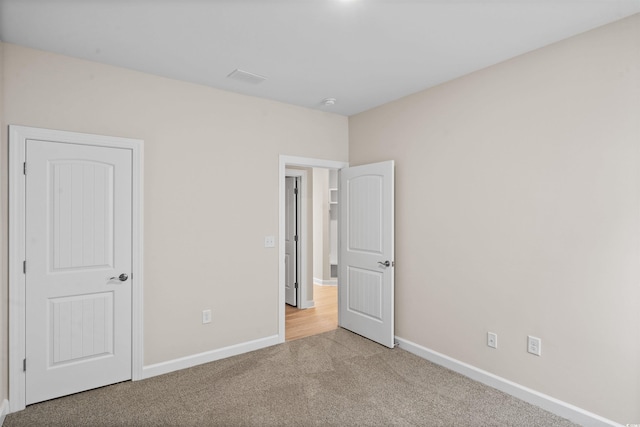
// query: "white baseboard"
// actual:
[[208, 356], [4, 410], [320, 282], [548, 403], [308, 304]]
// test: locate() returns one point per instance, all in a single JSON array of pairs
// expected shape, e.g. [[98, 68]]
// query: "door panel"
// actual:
[[78, 238], [81, 215], [366, 265], [365, 292], [364, 198], [81, 327]]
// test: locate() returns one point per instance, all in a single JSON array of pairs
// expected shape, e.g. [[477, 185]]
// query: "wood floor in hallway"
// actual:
[[322, 317]]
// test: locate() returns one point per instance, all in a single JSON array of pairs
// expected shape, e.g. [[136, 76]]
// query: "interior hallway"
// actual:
[[321, 318]]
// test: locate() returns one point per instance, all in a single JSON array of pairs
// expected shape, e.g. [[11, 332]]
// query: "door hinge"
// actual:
[[24, 168], [24, 365], [295, 238], [295, 191], [295, 285], [24, 267]]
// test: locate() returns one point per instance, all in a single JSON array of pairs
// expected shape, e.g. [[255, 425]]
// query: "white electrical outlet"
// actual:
[[206, 316], [492, 340], [534, 345]]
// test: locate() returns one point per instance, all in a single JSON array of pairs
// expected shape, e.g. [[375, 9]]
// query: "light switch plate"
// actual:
[[492, 339], [206, 316]]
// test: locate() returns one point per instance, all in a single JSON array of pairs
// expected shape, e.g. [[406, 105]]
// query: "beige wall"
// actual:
[[211, 187], [321, 268], [517, 212]]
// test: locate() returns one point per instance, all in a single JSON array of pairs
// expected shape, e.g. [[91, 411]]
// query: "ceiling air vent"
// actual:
[[245, 76]]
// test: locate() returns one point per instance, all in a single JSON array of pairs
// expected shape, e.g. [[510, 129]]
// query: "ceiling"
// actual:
[[364, 53]]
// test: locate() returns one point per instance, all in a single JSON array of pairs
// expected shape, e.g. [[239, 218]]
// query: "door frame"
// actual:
[[18, 136], [284, 162], [301, 252]]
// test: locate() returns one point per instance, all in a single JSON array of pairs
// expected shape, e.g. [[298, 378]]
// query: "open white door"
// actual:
[[291, 241], [366, 264]]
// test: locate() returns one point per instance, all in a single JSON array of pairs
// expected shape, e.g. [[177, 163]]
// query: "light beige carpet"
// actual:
[[336, 378]]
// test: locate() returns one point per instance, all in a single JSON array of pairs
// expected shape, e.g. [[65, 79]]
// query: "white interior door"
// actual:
[[366, 264], [78, 257], [290, 241]]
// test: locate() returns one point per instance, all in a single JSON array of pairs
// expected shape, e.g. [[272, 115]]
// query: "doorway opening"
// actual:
[[311, 293], [316, 307]]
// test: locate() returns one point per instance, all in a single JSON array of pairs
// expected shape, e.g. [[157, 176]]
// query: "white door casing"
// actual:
[[366, 248], [291, 243], [75, 217]]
